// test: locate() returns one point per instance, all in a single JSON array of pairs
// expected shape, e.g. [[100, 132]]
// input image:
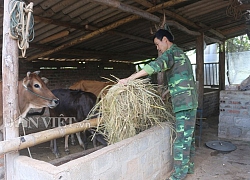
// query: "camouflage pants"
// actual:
[[184, 145]]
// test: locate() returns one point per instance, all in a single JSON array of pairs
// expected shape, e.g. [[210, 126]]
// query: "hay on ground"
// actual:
[[126, 110]]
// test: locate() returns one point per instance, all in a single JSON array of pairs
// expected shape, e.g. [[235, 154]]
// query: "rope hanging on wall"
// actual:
[[21, 24]]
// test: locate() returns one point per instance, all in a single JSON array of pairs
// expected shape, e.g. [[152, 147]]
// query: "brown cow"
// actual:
[[32, 93], [94, 87]]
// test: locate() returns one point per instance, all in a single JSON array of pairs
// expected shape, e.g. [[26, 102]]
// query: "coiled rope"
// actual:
[[233, 9], [21, 24]]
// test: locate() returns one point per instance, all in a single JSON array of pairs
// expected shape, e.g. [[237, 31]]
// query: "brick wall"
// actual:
[[234, 118], [60, 76], [211, 102]]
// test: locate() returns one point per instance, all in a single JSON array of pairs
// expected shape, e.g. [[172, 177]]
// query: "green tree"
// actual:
[[237, 44]]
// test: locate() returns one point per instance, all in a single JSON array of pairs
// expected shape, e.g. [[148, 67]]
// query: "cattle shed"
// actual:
[[70, 40]]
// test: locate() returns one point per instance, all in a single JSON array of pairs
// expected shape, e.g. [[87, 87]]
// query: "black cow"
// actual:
[[73, 103]]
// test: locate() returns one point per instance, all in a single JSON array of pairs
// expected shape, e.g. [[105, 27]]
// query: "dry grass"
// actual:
[[129, 109]]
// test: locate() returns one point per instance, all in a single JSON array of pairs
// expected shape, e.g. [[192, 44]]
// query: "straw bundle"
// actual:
[[126, 110]]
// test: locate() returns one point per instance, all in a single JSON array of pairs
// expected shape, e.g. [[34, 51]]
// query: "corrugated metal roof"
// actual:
[[110, 30]]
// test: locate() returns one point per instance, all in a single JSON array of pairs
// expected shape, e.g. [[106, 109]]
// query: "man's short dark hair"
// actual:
[[161, 33]]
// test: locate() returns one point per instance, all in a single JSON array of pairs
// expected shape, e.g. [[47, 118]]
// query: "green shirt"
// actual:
[[179, 75]]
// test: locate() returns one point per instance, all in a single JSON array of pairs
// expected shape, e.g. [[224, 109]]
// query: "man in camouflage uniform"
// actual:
[[181, 84]]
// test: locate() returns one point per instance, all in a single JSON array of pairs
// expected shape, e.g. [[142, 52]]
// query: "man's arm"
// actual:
[[134, 76]]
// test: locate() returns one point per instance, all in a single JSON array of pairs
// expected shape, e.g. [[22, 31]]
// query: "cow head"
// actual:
[[36, 93], [245, 84]]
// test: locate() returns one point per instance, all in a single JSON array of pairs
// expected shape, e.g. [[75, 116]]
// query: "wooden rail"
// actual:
[[33, 139]]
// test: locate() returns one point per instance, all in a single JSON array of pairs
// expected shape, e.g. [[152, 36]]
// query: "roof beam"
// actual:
[[181, 19], [182, 28], [238, 28], [103, 29], [211, 30], [206, 10], [86, 28], [170, 14], [130, 9], [194, 33], [145, 3], [244, 7], [88, 54], [92, 28], [192, 24], [56, 22]]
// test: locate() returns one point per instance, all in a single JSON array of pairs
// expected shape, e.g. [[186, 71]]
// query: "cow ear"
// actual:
[[36, 72], [28, 74], [45, 80]]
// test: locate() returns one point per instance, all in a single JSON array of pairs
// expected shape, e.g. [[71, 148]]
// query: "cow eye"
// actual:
[[36, 85]]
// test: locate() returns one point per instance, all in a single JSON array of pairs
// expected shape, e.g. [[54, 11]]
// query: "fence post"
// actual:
[[222, 67], [200, 67], [9, 90]]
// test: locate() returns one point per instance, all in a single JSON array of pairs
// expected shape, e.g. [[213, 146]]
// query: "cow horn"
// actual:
[[36, 72], [28, 73], [45, 80]]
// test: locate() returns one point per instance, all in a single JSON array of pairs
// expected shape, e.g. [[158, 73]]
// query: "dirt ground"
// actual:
[[209, 164], [43, 151]]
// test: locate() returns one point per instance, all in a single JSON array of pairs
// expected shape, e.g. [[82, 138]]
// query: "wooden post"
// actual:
[[10, 85], [222, 67], [200, 68]]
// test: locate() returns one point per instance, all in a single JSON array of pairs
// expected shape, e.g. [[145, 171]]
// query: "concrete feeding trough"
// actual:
[[144, 156]]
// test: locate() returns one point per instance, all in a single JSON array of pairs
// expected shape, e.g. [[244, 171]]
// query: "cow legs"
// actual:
[[72, 139], [93, 137], [81, 143], [97, 137], [53, 147], [66, 144], [53, 144], [84, 146]]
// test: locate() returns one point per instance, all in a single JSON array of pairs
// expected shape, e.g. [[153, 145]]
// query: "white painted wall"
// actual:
[[239, 66], [238, 63]]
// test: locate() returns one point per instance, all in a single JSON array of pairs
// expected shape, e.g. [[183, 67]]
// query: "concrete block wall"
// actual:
[[234, 118], [145, 156]]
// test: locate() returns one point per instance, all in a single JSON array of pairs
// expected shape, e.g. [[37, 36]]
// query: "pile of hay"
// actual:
[[129, 109]]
